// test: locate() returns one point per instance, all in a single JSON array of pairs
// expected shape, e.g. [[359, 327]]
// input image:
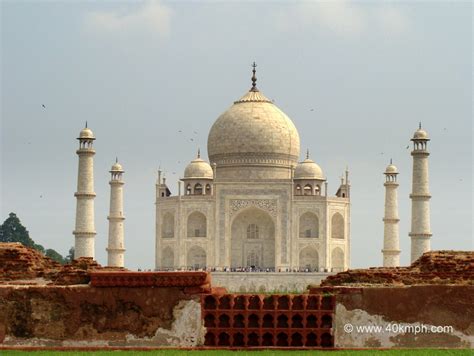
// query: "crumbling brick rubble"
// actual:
[[434, 267]]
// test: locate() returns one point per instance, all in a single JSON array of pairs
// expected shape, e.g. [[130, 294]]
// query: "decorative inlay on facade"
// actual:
[[269, 205]]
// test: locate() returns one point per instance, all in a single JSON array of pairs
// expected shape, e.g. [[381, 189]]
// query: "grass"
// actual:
[[413, 352]]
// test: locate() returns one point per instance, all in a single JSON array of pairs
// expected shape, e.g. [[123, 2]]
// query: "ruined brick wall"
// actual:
[[83, 304], [428, 304], [20, 262], [422, 316], [84, 315], [434, 267]]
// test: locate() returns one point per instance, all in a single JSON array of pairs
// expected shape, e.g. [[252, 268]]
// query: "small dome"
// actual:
[[86, 133], [198, 168], [420, 134], [117, 167], [308, 169], [391, 169]]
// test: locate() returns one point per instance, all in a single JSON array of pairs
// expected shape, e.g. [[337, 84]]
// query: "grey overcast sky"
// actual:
[[139, 72]]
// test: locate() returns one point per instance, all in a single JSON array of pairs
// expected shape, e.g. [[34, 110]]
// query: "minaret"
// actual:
[[84, 232], [115, 249], [391, 239], [420, 196]]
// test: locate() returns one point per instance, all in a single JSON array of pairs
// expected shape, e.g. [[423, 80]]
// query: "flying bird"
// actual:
[[43, 106], [312, 110], [191, 139], [408, 147], [180, 131]]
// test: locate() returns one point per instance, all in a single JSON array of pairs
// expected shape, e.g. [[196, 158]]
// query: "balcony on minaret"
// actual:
[[116, 172], [391, 174], [86, 139], [420, 141]]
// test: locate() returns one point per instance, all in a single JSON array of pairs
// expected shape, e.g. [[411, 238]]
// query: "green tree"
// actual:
[[54, 255], [70, 257], [13, 231], [39, 247]]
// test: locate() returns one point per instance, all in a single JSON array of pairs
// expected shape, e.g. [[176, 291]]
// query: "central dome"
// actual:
[[253, 139]]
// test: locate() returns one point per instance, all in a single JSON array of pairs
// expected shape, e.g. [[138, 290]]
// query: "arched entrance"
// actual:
[[253, 239], [337, 259], [167, 256], [309, 258], [196, 257]]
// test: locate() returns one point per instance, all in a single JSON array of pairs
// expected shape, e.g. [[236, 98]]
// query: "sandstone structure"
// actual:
[[84, 231], [42, 306], [391, 236], [115, 248], [253, 205]]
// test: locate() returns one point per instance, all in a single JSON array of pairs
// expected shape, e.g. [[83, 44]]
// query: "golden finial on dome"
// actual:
[[307, 153], [199, 153], [254, 78]]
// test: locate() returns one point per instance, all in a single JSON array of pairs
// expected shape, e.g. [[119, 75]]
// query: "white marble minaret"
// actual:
[[391, 239], [115, 249], [84, 232], [420, 197]]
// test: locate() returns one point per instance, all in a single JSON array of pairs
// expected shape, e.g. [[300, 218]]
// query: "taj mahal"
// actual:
[[258, 203], [254, 204]]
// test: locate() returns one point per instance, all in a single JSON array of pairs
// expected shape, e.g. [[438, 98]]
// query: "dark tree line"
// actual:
[[13, 231]]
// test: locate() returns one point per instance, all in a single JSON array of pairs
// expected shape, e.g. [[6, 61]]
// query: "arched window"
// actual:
[[317, 190], [208, 189], [197, 225], [309, 225], [167, 226], [252, 231], [188, 189], [337, 226], [308, 189], [198, 189]]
